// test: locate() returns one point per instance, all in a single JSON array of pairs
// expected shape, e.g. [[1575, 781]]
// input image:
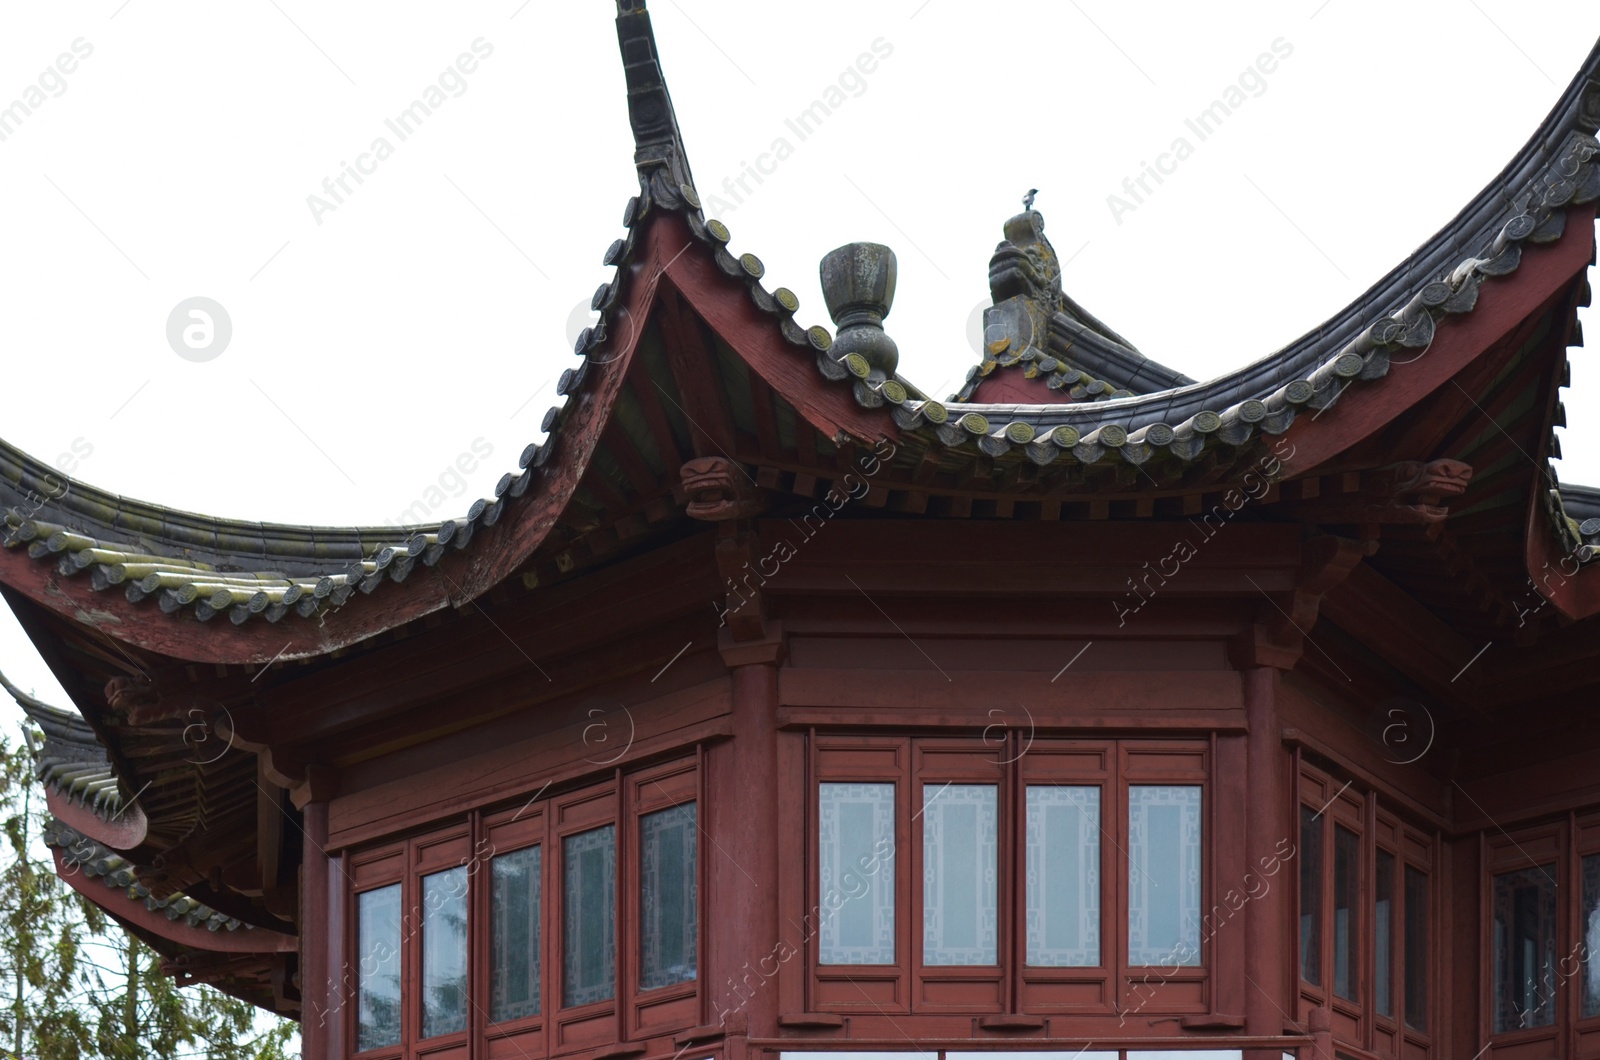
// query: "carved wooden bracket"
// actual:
[[1277, 638], [169, 694], [744, 611], [1411, 492]]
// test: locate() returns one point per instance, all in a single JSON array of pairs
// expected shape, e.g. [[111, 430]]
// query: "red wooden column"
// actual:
[[1268, 831], [320, 990], [742, 915]]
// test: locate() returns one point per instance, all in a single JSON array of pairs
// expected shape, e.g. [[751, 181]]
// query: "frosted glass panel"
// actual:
[[444, 952], [669, 928], [589, 971], [1063, 871], [960, 860], [378, 974], [517, 900], [1164, 875], [856, 835]]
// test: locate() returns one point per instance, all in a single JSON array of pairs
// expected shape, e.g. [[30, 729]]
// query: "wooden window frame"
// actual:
[[1549, 845], [535, 818], [1585, 843], [914, 764], [1561, 844], [1372, 818], [1083, 989]]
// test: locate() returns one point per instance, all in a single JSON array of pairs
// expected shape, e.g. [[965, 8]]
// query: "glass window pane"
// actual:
[[960, 863], [1524, 949], [517, 900], [1311, 895], [1383, 937], [1588, 948], [1063, 876], [856, 857], [444, 952], [589, 900], [378, 975], [1416, 971], [1346, 928], [668, 904], [1164, 875]]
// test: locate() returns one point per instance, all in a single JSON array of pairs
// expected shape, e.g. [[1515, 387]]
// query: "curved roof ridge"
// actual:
[[244, 569], [71, 760], [218, 564], [120, 874]]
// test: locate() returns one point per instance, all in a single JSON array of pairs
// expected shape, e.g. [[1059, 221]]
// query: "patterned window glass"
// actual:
[[517, 901], [668, 932], [1063, 876], [1164, 875], [960, 865], [444, 952], [1525, 949], [378, 974], [856, 858], [589, 900]]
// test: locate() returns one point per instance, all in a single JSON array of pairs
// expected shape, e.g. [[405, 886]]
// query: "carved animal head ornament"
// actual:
[[717, 489]]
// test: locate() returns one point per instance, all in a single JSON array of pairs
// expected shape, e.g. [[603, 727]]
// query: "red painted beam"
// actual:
[[123, 832]]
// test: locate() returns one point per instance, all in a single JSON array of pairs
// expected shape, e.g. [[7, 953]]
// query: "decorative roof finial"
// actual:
[[858, 286], [659, 154], [1031, 315]]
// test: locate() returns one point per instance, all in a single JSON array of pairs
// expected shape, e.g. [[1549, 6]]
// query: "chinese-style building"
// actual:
[[773, 706]]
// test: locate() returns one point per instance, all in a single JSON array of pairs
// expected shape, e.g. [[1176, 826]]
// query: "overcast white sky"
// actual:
[[432, 308]]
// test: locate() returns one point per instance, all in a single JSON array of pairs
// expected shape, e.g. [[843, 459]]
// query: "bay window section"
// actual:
[[444, 952], [855, 828], [960, 857], [1063, 876], [516, 906], [378, 971], [1364, 908], [1524, 924], [589, 898], [1164, 875], [668, 897], [1346, 898], [497, 932]]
